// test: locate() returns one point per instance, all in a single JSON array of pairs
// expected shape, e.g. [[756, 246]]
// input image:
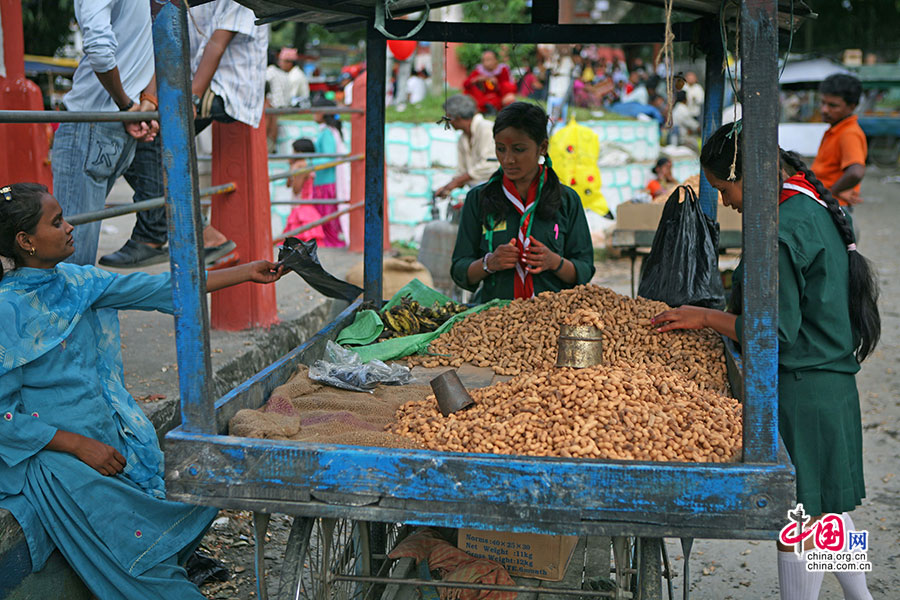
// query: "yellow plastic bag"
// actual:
[[575, 150]]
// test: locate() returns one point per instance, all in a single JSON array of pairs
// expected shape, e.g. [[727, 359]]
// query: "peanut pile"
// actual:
[[608, 412], [521, 337]]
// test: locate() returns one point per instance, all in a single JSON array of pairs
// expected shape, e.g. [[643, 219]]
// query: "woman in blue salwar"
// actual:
[[80, 463]]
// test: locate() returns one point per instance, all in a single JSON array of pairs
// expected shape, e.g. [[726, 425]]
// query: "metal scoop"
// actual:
[[450, 392]]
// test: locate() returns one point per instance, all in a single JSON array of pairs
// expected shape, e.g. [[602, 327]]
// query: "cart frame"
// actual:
[[747, 499]]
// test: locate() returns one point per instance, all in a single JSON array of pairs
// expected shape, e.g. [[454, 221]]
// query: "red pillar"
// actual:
[[24, 148], [244, 216], [358, 171]]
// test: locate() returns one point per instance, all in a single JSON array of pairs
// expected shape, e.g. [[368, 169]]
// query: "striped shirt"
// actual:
[[241, 77], [116, 33]]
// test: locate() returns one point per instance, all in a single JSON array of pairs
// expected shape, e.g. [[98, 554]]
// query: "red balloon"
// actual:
[[402, 49]]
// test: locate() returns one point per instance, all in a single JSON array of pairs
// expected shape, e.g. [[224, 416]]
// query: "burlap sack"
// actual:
[[306, 411]]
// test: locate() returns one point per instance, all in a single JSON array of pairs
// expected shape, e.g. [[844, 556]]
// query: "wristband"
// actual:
[[128, 106], [562, 261], [484, 266], [147, 97]]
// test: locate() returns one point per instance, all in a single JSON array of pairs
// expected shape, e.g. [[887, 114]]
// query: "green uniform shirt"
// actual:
[[814, 331], [566, 234]]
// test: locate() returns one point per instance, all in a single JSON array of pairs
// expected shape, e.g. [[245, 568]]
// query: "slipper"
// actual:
[[229, 260], [134, 255], [214, 253]]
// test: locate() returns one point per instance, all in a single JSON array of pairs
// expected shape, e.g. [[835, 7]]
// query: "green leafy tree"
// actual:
[[46, 25]]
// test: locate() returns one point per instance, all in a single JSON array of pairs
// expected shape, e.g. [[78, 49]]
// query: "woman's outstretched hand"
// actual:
[[263, 271], [696, 317]]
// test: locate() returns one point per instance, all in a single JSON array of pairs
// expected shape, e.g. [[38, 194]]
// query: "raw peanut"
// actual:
[[626, 417]]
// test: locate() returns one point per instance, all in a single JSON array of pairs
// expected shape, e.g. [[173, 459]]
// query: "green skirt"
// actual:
[[819, 421]]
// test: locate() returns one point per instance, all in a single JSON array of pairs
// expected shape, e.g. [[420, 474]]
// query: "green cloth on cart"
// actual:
[[419, 292], [412, 344], [367, 325], [365, 329]]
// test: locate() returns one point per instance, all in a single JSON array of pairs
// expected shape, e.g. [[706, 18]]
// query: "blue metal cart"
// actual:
[[333, 486]]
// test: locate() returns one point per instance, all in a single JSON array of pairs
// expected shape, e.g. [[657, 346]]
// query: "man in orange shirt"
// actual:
[[841, 162]]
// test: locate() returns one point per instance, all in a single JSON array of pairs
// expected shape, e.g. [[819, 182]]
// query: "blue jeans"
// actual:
[[146, 179], [87, 160]]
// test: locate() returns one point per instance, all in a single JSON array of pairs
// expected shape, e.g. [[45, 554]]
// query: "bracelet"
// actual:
[[562, 261], [128, 106], [148, 97], [484, 266]]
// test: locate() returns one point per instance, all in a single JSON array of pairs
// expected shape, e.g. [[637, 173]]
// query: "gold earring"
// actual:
[[31, 252]]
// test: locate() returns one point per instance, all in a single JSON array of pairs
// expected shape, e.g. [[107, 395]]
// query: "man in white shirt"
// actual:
[[476, 156], [695, 95], [116, 73], [416, 87], [229, 65]]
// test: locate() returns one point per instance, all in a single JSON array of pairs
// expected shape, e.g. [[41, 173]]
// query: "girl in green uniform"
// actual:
[[522, 232], [828, 323]]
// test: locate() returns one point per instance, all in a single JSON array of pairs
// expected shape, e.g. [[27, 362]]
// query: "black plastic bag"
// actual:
[[683, 266], [301, 258], [202, 568]]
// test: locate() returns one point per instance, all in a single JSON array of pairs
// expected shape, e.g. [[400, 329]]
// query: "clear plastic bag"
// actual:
[[343, 369]]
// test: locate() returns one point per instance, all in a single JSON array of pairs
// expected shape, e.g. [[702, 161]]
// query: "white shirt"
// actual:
[[694, 98], [241, 77], [299, 84], [683, 118], [473, 152], [415, 87], [116, 33]]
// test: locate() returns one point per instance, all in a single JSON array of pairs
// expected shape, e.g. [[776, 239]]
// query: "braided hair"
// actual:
[[531, 120], [718, 157], [20, 210]]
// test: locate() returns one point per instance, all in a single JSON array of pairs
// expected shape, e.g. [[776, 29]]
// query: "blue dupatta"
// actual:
[[39, 309]]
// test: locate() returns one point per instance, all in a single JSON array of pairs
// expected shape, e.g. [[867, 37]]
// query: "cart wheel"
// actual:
[[319, 549]]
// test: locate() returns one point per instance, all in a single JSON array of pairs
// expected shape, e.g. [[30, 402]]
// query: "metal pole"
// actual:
[[118, 210], [64, 116], [170, 43], [207, 157], [712, 106], [376, 49], [759, 84], [314, 168]]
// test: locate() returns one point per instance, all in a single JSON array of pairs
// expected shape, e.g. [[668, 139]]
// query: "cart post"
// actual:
[[712, 105], [239, 155], [759, 83], [376, 48], [170, 42]]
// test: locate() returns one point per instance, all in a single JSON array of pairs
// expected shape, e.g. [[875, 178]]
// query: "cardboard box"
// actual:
[[523, 554], [633, 216]]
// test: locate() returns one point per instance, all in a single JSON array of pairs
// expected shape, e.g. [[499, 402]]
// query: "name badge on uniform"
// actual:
[[501, 226]]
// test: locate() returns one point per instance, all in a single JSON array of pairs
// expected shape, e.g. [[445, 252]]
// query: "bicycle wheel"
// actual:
[[317, 550]]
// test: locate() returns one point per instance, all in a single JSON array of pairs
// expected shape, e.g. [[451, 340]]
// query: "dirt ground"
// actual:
[[723, 569]]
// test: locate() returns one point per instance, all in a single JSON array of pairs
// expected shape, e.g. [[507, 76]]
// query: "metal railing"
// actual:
[[118, 210], [66, 116]]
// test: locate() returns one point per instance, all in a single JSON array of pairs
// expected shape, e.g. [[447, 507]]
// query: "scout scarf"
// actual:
[[42, 307], [798, 184], [524, 284]]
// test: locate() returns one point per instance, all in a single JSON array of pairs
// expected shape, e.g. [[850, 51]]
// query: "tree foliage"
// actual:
[[46, 25]]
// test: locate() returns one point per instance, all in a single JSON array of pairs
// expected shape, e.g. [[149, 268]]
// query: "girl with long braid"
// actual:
[[828, 323], [522, 232]]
